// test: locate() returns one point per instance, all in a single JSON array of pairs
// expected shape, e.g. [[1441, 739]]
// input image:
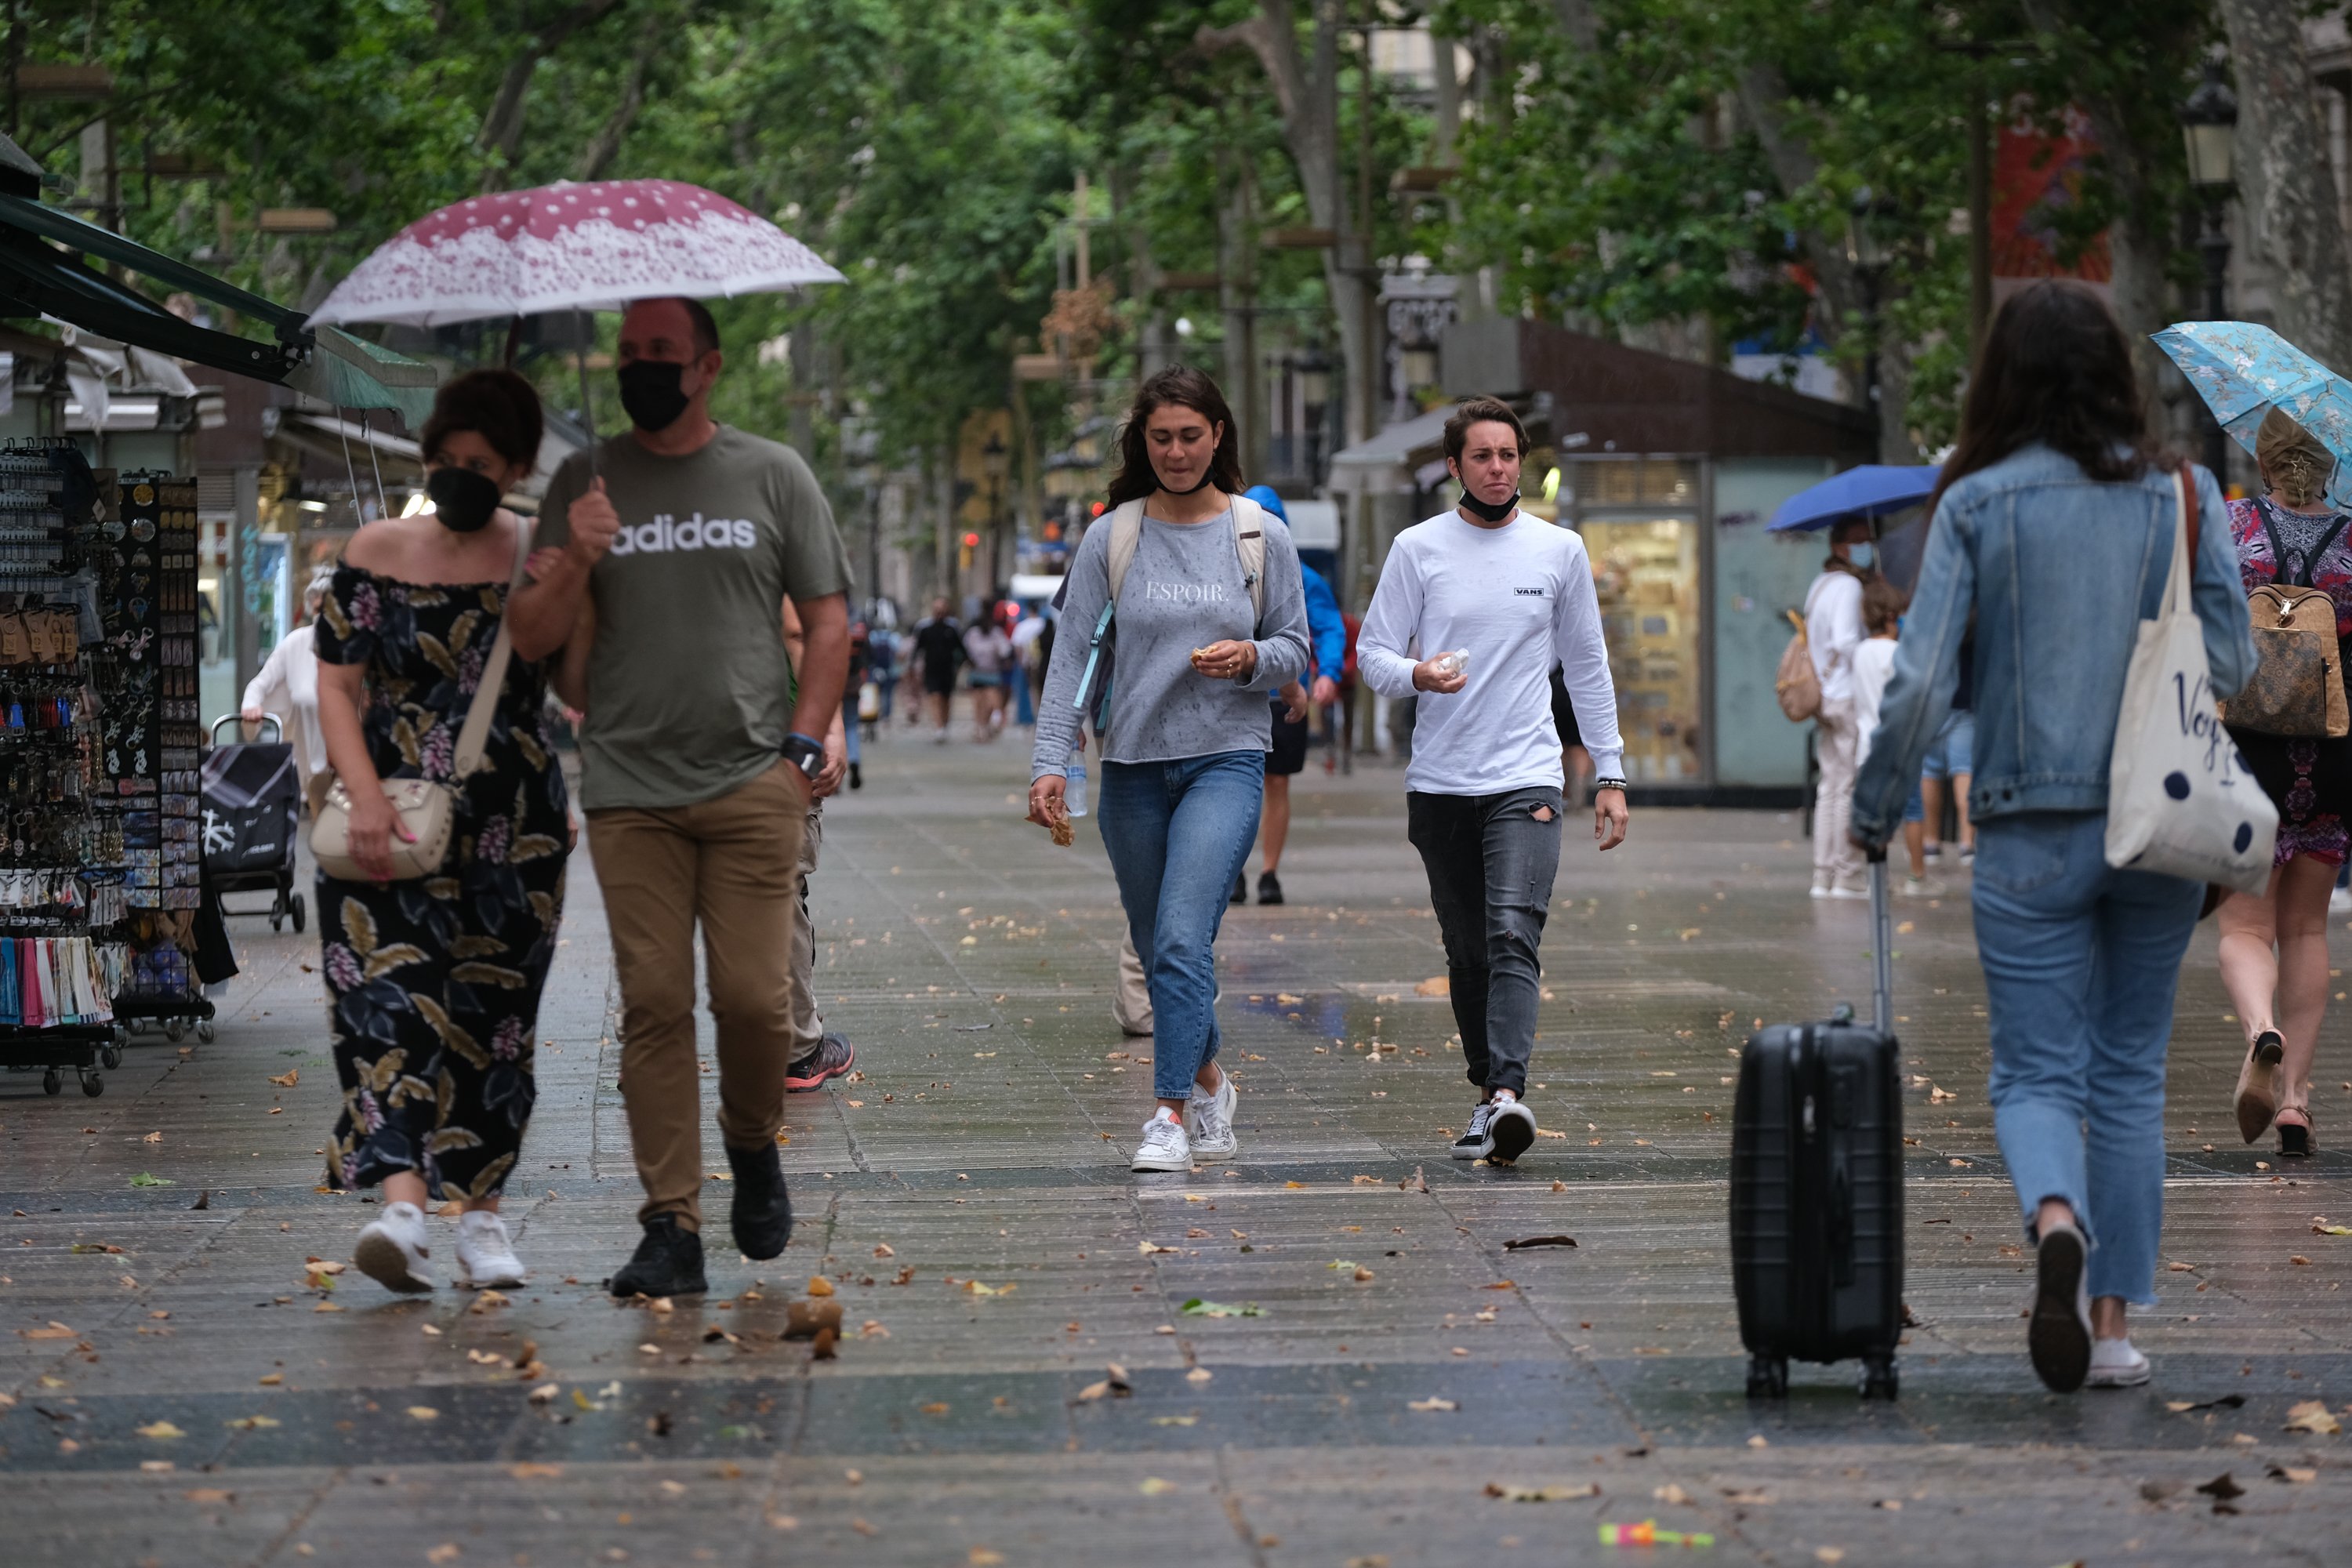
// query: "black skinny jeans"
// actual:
[[1491, 860]]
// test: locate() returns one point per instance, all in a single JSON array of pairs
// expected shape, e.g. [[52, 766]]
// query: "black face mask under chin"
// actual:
[[653, 393], [1491, 513], [463, 501]]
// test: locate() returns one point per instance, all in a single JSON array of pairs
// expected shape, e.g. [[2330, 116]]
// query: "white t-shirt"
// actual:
[[1874, 666], [1519, 598], [1833, 629]]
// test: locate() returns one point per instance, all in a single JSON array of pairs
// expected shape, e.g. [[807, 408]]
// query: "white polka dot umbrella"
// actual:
[[591, 246]]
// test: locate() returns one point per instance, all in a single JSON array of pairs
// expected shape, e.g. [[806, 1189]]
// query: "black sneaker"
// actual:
[[1512, 1126], [1240, 888], [833, 1057], [763, 1214], [667, 1262], [1477, 1140], [2059, 1337], [1269, 889], [857, 776]]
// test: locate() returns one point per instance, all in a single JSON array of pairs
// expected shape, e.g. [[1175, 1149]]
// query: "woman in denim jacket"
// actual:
[[2055, 525]]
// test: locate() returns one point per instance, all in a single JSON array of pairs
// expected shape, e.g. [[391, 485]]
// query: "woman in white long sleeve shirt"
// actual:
[[1512, 596], [287, 685], [1834, 630]]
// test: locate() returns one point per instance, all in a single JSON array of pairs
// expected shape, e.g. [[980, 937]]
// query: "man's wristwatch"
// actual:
[[804, 754]]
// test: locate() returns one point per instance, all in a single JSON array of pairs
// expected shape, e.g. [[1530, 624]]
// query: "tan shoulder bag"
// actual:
[[427, 809]]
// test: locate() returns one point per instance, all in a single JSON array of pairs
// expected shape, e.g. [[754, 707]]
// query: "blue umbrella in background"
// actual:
[[1870, 491], [2242, 371]]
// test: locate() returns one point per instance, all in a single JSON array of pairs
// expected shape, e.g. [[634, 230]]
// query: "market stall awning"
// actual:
[[1408, 455], [44, 271]]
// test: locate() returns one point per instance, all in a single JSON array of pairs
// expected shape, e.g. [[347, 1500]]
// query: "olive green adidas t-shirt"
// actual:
[[689, 693]]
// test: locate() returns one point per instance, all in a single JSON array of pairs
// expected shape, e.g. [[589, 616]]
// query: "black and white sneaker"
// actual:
[[2058, 1339], [1476, 1140], [1511, 1126]]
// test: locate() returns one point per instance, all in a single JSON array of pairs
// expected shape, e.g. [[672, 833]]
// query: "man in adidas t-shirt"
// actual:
[[1490, 599], [662, 576]]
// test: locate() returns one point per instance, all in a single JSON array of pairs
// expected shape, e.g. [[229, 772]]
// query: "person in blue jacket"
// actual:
[[1328, 637]]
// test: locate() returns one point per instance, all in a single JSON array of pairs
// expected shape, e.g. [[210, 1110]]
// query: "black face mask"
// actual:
[[653, 393], [1491, 513], [462, 500]]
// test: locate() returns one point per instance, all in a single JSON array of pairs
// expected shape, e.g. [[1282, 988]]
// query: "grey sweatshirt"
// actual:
[[1184, 591]]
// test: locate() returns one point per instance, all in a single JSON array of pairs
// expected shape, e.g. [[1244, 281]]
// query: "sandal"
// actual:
[[2257, 1097], [2295, 1136]]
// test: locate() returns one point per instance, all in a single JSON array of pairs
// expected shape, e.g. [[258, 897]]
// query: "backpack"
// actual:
[[2298, 684], [1796, 682], [1248, 520]]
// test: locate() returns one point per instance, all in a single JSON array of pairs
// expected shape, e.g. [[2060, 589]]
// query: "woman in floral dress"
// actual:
[[2275, 943], [434, 983]]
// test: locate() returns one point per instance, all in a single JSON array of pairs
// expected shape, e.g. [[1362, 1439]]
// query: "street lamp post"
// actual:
[[1866, 253], [995, 462], [2209, 125], [1315, 398]]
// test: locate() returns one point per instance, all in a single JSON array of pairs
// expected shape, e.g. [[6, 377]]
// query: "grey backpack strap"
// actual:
[[1249, 542], [1125, 533]]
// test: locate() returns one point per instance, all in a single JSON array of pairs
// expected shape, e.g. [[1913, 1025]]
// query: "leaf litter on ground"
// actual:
[[1197, 1307]]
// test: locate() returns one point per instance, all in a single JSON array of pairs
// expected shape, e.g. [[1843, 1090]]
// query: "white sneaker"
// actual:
[[1843, 892], [2058, 1337], [484, 1256], [1164, 1145], [1820, 890], [1212, 1117], [1510, 1126], [392, 1250], [2116, 1364], [1922, 888], [1476, 1142]]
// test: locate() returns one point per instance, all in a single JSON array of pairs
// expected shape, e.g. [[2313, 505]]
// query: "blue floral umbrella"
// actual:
[[2243, 371]]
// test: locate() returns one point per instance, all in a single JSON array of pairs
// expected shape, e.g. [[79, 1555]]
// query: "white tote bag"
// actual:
[[2180, 799]]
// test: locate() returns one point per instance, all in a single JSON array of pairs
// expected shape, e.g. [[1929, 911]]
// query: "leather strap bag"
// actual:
[[2298, 684], [1796, 683], [426, 808]]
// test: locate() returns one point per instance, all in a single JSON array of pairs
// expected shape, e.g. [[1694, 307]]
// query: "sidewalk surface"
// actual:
[[966, 1196]]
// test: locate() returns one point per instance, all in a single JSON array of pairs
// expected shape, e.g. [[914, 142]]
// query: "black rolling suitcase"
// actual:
[[1817, 1189]]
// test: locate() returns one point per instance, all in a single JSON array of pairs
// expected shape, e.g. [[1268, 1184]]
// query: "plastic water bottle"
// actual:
[[1074, 785]]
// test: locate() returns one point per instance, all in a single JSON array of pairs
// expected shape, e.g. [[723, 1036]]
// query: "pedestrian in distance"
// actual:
[[2054, 470], [433, 979], [1327, 644], [2274, 945], [819, 1054], [665, 568], [939, 653], [1874, 665], [1490, 599], [987, 649], [288, 685], [1834, 630], [1203, 595]]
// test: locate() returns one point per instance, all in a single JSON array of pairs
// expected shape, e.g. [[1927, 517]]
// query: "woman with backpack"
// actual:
[[1833, 632], [2053, 469], [1196, 589], [2275, 945]]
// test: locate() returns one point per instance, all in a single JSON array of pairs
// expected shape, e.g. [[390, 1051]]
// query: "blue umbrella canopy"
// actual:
[[1871, 491], [2243, 371]]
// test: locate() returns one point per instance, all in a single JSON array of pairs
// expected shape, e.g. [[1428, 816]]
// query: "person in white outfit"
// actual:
[[287, 685], [1834, 631]]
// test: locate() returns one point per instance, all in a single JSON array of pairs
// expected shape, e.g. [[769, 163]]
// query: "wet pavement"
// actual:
[[1390, 1366]]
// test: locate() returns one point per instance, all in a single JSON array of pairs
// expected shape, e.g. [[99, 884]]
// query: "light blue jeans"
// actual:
[[1177, 833], [2081, 962]]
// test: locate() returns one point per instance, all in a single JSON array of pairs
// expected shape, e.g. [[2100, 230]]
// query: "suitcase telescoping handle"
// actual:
[[1882, 946]]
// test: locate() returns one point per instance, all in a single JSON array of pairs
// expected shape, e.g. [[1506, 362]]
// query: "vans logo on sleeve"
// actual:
[[665, 533]]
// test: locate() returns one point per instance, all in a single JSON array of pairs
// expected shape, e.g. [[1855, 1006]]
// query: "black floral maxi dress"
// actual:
[[434, 985]]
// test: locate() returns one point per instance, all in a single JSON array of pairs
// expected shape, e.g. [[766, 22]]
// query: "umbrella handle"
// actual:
[[587, 406]]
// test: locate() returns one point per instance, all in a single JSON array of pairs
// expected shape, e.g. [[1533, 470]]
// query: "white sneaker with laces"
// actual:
[[1476, 1143], [1510, 1126], [1164, 1145], [1922, 888], [392, 1250], [484, 1256], [2116, 1364], [1212, 1117]]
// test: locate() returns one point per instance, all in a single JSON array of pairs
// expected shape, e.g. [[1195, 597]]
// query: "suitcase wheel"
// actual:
[[1878, 1379], [1768, 1378]]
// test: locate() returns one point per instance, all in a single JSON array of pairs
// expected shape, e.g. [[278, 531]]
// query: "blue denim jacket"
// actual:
[[2060, 570]]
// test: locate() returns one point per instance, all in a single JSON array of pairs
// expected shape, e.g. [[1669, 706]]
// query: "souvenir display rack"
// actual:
[[62, 893], [145, 570]]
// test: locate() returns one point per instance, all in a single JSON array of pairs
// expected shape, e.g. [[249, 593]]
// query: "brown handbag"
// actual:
[[426, 809], [2298, 684]]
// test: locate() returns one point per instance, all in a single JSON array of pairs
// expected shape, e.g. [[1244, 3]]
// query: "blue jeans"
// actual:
[[2081, 962], [1177, 833]]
